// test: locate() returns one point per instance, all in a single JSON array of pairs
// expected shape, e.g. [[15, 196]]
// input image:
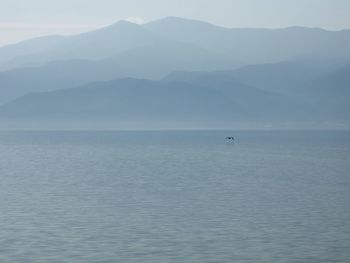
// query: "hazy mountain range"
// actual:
[[175, 70]]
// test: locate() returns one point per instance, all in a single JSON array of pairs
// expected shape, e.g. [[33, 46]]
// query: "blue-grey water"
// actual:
[[175, 196]]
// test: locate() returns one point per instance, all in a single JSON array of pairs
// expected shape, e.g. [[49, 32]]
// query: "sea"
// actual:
[[174, 196]]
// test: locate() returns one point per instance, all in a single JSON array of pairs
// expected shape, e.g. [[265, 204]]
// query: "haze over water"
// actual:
[[175, 196]]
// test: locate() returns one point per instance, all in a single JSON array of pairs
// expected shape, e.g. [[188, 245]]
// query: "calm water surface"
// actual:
[[174, 196]]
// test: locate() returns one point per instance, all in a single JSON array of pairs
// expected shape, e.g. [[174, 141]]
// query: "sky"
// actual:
[[23, 19]]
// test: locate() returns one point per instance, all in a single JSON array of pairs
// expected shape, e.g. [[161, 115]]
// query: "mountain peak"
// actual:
[[173, 20], [124, 23]]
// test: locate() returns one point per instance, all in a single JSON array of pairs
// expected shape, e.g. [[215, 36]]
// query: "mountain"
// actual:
[[336, 83], [150, 61], [332, 91], [120, 50], [323, 92], [17, 52], [322, 87], [294, 74], [289, 78], [229, 83], [122, 99], [241, 46], [94, 45], [255, 45], [146, 101], [100, 44]]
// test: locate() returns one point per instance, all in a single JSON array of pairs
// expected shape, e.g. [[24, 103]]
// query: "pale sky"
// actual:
[[23, 19]]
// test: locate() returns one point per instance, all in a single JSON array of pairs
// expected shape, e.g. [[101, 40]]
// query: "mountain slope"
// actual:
[[147, 101], [17, 52], [124, 98], [260, 100], [243, 46], [310, 85], [94, 45], [332, 91], [256, 46], [323, 93], [150, 61]]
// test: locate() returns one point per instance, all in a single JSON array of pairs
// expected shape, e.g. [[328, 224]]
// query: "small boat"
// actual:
[[230, 139]]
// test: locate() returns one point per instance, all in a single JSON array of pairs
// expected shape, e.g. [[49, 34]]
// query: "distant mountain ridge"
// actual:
[[189, 70], [244, 46], [146, 100], [258, 45], [152, 62], [324, 90], [188, 97]]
